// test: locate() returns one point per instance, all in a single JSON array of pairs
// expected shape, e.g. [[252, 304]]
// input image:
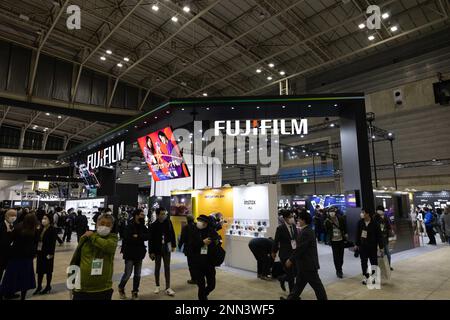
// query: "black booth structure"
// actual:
[[349, 108]]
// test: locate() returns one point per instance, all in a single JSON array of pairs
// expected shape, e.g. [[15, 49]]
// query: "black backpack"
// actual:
[[219, 256], [61, 221]]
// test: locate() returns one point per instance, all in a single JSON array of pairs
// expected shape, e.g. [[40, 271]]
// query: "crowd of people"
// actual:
[[28, 235]]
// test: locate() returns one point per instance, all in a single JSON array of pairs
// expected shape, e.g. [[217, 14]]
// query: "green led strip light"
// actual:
[[130, 122]]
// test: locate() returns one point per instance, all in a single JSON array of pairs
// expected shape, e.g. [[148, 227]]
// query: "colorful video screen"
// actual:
[[89, 178], [162, 155], [180, 205]]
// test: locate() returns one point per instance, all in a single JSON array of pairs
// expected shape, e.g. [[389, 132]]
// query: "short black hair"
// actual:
[[137, 212], [380, 208], [305, 216], [159, 210], [286, 213], [162, 134]]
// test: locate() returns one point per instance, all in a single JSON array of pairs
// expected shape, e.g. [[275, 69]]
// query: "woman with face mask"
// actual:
[[45, 254], [134, 250], [162, 242], [95, 258]]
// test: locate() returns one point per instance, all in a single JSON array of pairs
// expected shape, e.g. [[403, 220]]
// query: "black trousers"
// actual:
[[430, 233], [191, 270], [205, 275], [289, 274], [102, 295], [338, 254], [302, 279], [67, 234], [366, 254]]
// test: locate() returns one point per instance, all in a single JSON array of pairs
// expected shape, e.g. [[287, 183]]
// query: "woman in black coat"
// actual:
[[19, 274], [45, 254]]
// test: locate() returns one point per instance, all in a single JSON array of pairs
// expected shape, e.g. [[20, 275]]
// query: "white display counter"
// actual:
[[255, 215], [88, 206]]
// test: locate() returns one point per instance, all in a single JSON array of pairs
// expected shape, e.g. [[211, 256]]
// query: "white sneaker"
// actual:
[[170, 292], [157, 290]]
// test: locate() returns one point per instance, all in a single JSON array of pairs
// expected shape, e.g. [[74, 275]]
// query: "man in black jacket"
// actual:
[[162, 242], [185, 232], [81, 224], [261, 249], [133, 250], [368, 240], [284, 244], [203, 242], [306, 261], [6, 229], [336, 230]]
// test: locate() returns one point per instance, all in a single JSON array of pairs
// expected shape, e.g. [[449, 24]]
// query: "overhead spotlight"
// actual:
[[120, 65], [155, 7], [136, 168], [281, 150], [271, 65], [174, 19], [302, 136], [156, 117], [59, 117], [232, 108], [373, 137], [332, 125], [282, 73], [108, 51], [122, 172], [292, 148], [283, 107], [47, 114], [207, 108], [257, 107], [186, 9], [361, 26], [205, 94], [394, 28], [126, 59], [371, 37], [390, 134], [182, 109], [103, 58], [269, 78], [385, 15], [258, 70]]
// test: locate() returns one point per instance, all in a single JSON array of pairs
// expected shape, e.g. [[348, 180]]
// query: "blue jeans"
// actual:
[[129, 265]]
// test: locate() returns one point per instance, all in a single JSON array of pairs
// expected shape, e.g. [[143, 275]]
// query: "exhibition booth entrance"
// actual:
[[184, 144]]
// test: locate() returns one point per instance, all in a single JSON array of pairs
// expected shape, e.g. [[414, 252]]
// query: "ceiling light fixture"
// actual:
[[371, 38], [120, 65], [155, 7], [282, 73], [103, 58], [385, 15], [271, 65], [394, 28], [47, 114], [269, 78], [186, 9], [361, 26], [136, 168], [258, 70], [108, 51], [174, 19], [126, 59], [205, 94], [59, 117]]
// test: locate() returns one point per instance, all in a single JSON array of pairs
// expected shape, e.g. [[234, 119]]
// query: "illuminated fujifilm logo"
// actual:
[[255, 127], [106, 156]]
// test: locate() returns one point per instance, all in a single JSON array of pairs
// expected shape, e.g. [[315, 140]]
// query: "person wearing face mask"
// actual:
[[284, 244], [162, 242], [386, 231], [203, 242], [336, 229], [306, 260], [368, 240], [95, 258], [6, 231], [45, 254], [133, 250]]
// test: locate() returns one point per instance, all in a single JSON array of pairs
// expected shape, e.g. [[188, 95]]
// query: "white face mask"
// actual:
[[12, 219], [201, 225], [361, 215], [332, 214], [45, 222], [380, 212], [103, 231]]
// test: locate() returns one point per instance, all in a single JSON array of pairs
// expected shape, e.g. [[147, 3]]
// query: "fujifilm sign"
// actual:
[[106, 156], [255, 127]]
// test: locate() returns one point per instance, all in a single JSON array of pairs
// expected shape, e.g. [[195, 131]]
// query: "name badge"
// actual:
[[364, 234], [97, 267], [39, 246], [382, 227], [336, 232], [204, 250], [293, 244]]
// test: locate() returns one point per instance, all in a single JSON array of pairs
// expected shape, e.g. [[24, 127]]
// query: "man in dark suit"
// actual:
[[6, 229], [183, 243], [306, 261], [284, 244], [261, 249]]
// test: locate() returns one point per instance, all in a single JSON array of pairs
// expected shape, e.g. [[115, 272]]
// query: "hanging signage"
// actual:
[[106, 156], [255, 127]]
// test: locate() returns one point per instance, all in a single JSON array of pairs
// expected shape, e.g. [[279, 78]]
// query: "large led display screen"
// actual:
[[162, 155]]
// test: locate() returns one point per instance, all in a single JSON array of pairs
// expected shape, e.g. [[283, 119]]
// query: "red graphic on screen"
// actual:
[[162, 155]]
